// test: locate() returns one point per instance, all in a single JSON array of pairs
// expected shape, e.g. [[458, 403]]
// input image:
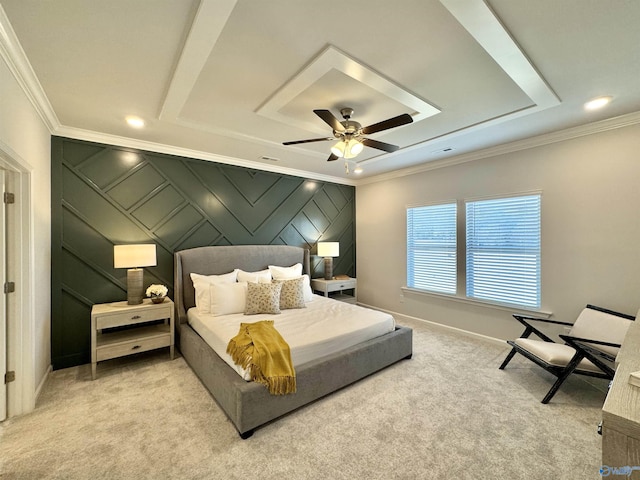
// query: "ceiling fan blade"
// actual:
[[332, 121], [389, 123], [332, 157], [387, 147], [295, 142]]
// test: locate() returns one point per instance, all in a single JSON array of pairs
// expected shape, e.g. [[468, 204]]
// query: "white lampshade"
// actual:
[[328, 249], [134, 256]]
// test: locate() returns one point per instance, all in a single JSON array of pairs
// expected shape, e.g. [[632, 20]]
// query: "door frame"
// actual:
[[3, 302], [21, 393]]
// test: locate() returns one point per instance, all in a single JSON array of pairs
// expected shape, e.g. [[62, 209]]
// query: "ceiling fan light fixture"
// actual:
[[355, 147], [338, 149]]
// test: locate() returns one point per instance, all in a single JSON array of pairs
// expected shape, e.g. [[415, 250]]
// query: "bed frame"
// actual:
[[247, 404]]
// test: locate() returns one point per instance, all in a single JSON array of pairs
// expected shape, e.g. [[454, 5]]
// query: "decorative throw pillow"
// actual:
[[263, 298], [263, 276], [201, 284], [228, 298], [286, 273], [292, 293]]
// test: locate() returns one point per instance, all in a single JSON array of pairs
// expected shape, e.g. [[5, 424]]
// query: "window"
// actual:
[[431, 248], [500, 260], [503, 250]]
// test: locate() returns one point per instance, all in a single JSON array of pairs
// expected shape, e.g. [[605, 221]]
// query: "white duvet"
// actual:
[[324, 327]]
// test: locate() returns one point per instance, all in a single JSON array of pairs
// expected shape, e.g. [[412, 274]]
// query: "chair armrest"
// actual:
[[529, 329], [571, 339], [587, 346], [546, 320]]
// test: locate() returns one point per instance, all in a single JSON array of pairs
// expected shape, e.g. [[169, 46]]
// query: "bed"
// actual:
[[249, 405]]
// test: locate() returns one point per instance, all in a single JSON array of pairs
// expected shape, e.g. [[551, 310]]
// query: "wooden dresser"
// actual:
[[621, 412]]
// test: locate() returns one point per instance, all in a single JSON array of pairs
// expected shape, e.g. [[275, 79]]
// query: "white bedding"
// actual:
[[324, 327]]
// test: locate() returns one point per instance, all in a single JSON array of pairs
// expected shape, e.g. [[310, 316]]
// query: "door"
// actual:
[[3, 300]]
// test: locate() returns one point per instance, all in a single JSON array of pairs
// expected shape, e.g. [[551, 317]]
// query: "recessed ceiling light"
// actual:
[[597, 103], [357, 170], [135, 122]]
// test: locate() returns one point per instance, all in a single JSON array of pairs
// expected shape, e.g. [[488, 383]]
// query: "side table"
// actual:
[[106, 344]]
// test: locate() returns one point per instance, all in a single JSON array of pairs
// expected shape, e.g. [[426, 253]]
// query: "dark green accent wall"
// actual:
[[104, 195]]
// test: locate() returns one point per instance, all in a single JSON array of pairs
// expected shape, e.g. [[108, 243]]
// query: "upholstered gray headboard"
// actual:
[[223, 259]]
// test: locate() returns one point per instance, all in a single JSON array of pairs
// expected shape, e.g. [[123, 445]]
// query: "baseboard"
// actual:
[[42, 383], [399, 316]]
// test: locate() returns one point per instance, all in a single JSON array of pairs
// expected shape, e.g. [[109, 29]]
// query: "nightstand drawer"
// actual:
[[127, 342], [132, 317], [342, 285]]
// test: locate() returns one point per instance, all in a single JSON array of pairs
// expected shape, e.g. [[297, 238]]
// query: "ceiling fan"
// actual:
[[350, 133]]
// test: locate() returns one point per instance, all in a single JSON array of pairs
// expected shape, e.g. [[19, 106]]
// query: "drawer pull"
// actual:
[[135, 317], [135, 347]]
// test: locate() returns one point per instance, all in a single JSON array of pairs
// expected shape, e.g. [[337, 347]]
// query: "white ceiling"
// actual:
[[230, 80]]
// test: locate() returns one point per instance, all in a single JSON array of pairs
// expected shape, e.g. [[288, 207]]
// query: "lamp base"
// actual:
[[134, 286], [328, 268]]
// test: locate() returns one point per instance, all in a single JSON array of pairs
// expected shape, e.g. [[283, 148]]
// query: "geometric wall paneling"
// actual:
[[104, 195]]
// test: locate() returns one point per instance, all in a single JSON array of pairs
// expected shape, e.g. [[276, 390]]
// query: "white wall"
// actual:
[[590, 228], [25, 138]]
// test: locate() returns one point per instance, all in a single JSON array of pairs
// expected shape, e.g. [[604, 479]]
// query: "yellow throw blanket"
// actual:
[[261, 350]]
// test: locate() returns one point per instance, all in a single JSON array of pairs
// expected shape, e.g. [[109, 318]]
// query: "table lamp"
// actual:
[[328, 250], [133, 257]]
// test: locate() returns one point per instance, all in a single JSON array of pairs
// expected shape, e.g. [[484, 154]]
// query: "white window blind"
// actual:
[[503, 250], [431, 248]]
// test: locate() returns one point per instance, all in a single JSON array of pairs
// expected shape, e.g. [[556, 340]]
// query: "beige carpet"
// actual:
[[448, 413]]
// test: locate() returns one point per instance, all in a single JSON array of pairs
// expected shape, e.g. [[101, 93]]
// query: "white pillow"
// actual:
[[263, 276], [201, 285], [228, 298], [306, 288], [286, 273]]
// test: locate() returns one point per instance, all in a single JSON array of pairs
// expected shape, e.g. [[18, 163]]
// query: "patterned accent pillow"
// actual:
[[263, 298], [292, 294]]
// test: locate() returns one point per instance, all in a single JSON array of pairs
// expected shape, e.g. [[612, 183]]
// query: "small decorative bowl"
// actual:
[[156, 299]]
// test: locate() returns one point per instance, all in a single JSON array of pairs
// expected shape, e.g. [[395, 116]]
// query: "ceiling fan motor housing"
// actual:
[[351, 128]]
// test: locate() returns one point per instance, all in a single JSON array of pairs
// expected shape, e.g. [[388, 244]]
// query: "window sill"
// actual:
[[479, 303]]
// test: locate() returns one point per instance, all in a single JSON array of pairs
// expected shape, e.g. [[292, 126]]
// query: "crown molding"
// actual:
[[614, 123], [12, 53]]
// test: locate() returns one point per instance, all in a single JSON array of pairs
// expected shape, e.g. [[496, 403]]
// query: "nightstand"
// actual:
[[107, 343], [334, 288]]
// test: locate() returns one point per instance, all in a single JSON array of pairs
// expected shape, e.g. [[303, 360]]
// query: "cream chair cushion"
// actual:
[[554, 353]]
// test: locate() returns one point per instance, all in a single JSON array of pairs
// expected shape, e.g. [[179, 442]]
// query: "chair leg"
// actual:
[[563, 376], [547, 398], [508, 359]]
